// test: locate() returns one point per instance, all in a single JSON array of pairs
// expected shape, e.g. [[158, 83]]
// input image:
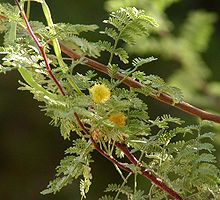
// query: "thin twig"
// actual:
[[111, 158], [41, 48], [147, 173], [184, 106]]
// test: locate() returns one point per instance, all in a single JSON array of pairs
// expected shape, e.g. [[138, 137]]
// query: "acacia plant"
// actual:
[[107, 114]]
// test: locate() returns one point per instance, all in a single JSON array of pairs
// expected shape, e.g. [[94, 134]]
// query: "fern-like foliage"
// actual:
[[127, 191], [70, 36], [127, 24], [73, 166], [187, 165], [157, 85], [137, 62], [9, 11], [106, 198]]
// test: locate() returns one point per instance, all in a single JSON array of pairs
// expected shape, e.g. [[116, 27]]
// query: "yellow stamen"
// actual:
[[100, 93]]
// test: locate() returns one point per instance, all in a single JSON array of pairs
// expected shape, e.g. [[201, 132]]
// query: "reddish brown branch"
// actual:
[[186, 107], [147, 173], [111, 158], [30, 31]]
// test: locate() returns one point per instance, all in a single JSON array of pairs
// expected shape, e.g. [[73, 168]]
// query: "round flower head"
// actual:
[[118, 118], [100, 93]]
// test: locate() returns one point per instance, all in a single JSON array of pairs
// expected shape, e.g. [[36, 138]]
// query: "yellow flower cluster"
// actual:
[[100, 93], [118, 118]]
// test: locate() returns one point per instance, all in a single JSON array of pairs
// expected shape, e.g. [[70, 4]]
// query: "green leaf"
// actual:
[[139, 195], [137, 62], [129, 23], [122, 54], [206, 146], [209, 135], [107, 197], [118, 188], [206, 157]]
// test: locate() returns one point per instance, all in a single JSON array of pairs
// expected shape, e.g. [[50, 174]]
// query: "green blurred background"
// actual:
[[30, 148]]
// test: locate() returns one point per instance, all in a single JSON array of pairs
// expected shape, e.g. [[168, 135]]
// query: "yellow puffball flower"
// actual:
[[100, 93], [118, 118]]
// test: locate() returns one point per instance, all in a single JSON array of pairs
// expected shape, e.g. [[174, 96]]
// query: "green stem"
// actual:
[[28, 9], [112, 53], [135, 175], [104, 145], [116, 43], [112, 148], [13, 29], [52, 31], [135, 183], [120, 172], [56, 45], [124, 78], [122, 185], [115, 46], [150, 192], [12, 32], [74, 86]]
